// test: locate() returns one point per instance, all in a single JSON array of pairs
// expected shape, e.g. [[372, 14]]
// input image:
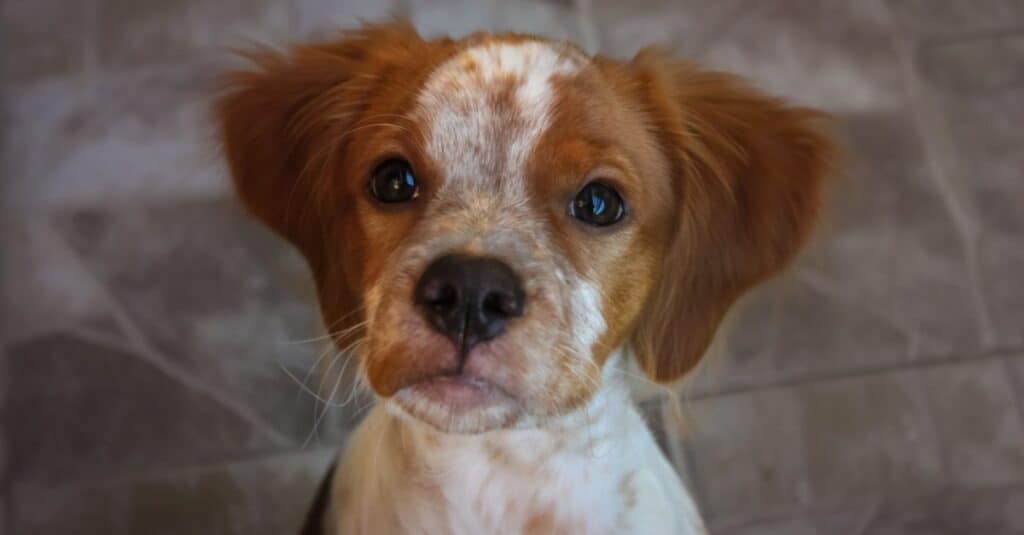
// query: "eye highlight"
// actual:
[[393, 182], [598, 204]]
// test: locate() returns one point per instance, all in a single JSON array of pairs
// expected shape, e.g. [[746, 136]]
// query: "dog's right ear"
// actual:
[[749, 170], [280, 121]]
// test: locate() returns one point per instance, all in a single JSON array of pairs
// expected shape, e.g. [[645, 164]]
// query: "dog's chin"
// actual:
[[459, 404]]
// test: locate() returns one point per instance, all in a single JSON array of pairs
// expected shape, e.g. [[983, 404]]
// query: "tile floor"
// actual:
[[151, 329]]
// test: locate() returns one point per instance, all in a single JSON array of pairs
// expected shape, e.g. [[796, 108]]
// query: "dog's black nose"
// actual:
[[468, 298]]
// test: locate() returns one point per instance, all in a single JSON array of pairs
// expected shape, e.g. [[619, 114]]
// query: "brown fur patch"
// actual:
[[746, 172], [627, 491]]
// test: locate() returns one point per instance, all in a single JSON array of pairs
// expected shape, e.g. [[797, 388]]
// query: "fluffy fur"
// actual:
[[721, 185]]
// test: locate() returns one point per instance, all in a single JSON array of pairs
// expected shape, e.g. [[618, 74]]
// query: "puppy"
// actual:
[[495, 224]]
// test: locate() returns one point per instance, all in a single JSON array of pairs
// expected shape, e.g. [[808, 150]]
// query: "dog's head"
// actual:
[[492, 218]]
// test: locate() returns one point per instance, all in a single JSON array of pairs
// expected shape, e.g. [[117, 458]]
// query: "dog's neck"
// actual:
[[570, 474], [595, 470]]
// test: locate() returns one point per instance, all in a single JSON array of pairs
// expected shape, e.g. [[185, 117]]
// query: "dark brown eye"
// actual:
[[393, 182], [598, 204]]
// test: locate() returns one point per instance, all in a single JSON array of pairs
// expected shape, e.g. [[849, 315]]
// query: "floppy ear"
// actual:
[[748, 172], [280, 122]]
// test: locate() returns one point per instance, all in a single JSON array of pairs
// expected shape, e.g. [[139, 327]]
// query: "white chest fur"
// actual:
[[596, 471]]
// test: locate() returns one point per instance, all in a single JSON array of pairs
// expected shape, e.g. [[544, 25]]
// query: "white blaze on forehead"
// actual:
[[487, 106]]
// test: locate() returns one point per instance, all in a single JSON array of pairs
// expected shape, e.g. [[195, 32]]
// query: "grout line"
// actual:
[[972, 35], [184, 471], [874, 507], [681, 454], [108, 340], [933, 427], [860, 372], [1016, 388], [939, 148], [867, 517]]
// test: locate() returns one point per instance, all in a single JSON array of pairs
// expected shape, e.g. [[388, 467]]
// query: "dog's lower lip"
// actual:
[[459, 391]]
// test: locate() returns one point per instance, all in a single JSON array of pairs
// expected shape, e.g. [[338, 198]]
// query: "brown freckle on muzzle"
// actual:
[[627, 490]]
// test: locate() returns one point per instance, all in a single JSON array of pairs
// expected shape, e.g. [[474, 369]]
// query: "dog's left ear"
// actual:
[[281, 119], [747, 170]]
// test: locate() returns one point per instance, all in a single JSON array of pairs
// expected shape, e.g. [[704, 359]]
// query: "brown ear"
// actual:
[[280, 122], [748, 172]]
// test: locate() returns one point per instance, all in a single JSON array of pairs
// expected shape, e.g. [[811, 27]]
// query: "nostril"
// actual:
[[493, 305], [501, 304], [439, 295], [448, 298]]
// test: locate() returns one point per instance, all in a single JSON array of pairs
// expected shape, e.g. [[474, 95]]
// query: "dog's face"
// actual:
[[492, 218]]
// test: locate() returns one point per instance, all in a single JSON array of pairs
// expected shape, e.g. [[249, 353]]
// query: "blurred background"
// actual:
[[154, 336]]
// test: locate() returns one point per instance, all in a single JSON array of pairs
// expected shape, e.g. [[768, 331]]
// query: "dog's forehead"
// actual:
[[485, 108]]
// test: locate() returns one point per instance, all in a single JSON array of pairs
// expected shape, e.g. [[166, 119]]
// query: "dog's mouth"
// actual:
[[458, 391], [458, 402]]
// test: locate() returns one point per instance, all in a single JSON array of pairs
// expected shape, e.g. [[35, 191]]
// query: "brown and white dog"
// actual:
[[499, 222]]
